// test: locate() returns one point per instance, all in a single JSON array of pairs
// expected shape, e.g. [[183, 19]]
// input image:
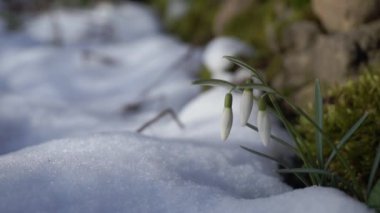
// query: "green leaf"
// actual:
[[261, 87], [306, 171], [246, 66], [301, 148], [327, 140], [214, 82], [273, 159], [374, 197], [319, 120], [288, 145], [345, 138], [263, 155], [375, 167]]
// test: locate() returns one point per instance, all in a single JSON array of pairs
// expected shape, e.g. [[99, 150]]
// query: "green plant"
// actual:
[[342, 105], [316, 168]]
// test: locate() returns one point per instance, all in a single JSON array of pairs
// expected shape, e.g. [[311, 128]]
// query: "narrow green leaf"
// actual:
[[263, 155], [300, 111], [273, 159], [319, 120], [301, 148], [306, 171], [311, 171], [214, 82], [246, 66], [375, 167], [288, 145], [261, 87], [374, 197], [345, 138], [326, 139]]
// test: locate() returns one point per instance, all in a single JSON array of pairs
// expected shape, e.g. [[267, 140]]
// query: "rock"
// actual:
[[304, 96], [300, 36], [298, 41], [337, 56], [334, 57], [345, 15], [298, 69], [330, 57], [367, 38]]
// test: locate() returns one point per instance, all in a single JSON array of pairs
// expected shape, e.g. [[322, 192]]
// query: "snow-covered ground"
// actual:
[[74, 88]]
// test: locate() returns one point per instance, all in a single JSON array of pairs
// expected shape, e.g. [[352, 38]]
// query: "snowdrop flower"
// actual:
[[227, 117], [263, 124], [246, 105]]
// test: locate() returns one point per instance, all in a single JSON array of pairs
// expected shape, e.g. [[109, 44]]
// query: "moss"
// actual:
[[343, 106]]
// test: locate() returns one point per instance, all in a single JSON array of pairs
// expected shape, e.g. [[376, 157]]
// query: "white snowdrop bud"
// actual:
[[246, 105], [227, 117], [263, 124]]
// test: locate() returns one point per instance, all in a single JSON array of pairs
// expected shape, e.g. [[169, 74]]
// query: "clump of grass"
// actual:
[[342, 106]]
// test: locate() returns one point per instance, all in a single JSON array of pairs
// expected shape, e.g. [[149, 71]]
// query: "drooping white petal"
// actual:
[[246, 106], [226, 123], [263, 126]]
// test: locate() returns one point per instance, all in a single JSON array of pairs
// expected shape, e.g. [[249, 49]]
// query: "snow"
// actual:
[[105, 23], [119, 172], [75, 85], [50, 92], [225, 46]]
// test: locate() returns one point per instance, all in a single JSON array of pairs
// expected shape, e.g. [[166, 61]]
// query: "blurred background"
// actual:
[[292, 41], [71, 66]]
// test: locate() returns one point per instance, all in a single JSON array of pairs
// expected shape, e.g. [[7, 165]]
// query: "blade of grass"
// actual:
[[318, 108], [288, 145], [261, 87], [326, 138], [214, 82], [306, 171], [333, 176], [273, 159], [246, 66], [375, 167], [263, 155], [345, 138], [302, 150]]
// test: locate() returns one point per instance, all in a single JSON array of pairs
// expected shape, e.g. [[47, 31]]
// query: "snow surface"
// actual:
[[74, 87], [127, 172]]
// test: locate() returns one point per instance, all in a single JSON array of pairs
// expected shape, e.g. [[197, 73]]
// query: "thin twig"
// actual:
[[158, 117]]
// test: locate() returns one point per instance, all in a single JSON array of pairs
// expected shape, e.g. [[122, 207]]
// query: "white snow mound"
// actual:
[[131, 173]]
